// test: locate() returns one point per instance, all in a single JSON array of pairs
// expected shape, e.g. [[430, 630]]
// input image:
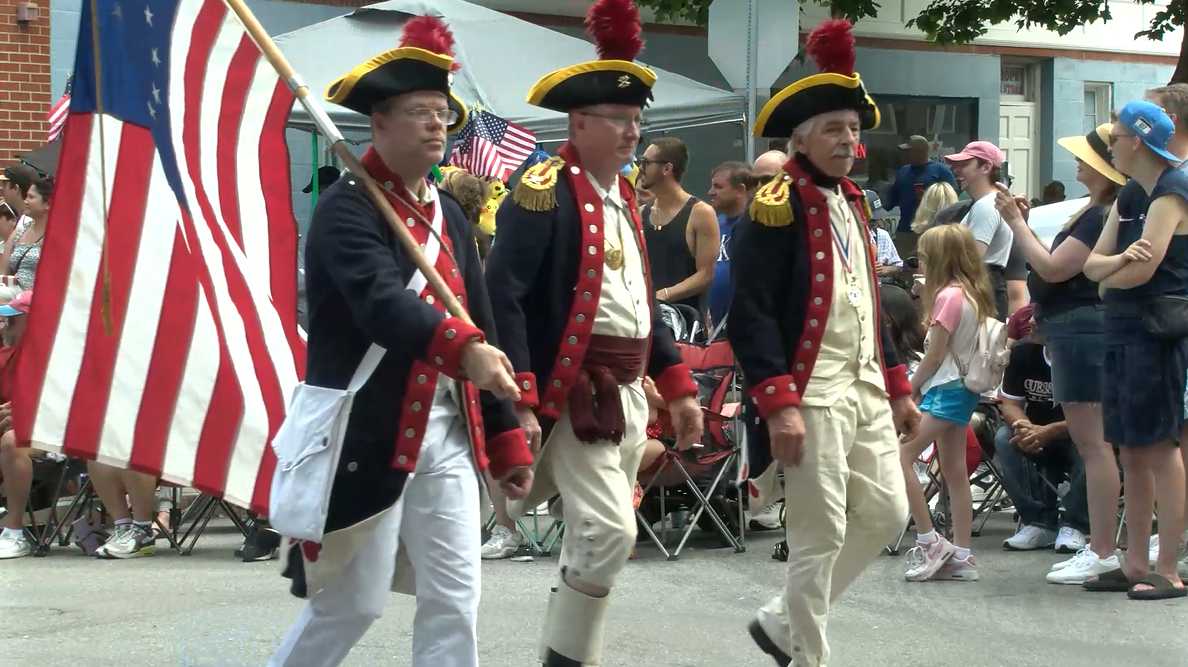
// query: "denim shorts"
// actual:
[[1144, 397], [951, 402], [1076, 346]]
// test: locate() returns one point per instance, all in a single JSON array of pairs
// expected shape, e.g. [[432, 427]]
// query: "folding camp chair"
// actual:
[[985, 422], [538, 527], [694, 480], [198, 516]]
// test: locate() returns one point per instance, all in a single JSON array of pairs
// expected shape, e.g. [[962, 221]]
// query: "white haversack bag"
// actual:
[[308, 445], [988, 360]]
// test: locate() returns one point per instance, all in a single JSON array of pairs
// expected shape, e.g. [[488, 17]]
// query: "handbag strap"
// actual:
[[366, 367]]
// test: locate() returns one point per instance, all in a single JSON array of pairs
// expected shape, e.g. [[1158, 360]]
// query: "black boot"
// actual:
[[766, 645], [780, 551], [555, 659], [262, 543]]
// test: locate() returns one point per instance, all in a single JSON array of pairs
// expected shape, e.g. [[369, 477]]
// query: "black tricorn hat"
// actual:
[[835, 88], [612, 79], [423, 61], [327, 175]]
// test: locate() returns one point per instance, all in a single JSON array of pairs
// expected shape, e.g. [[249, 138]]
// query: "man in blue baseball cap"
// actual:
[[1141, 262]]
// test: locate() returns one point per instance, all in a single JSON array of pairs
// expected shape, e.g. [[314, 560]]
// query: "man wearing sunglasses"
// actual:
[[767, 166]]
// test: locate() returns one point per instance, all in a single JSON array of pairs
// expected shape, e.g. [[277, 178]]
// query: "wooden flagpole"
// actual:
[[285, 70]]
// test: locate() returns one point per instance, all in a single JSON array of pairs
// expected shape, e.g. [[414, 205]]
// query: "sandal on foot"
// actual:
[[1161, 589], [1114, 581]]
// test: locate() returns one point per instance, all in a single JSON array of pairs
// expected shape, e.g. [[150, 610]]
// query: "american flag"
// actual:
[[201, 254], [57, 114], [490, 146]]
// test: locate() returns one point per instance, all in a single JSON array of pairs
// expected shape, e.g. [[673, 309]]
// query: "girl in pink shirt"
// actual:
[[957, 300]]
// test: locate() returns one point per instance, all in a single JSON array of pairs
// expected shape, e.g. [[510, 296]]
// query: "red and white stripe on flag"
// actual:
[[57, 117], [205, 350]]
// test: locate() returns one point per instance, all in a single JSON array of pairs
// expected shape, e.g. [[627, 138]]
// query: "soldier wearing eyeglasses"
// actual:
[[404, 510], [576, 315]]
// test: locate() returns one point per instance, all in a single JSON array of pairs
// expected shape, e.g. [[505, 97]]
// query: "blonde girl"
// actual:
[[936, 197], [957, 300]]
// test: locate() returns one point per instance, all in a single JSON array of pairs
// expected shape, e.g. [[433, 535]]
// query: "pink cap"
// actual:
[[18, 306], [979, 150]]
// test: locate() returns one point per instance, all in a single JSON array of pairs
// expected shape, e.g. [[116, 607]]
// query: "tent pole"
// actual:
[[323, 123], [314, 160]]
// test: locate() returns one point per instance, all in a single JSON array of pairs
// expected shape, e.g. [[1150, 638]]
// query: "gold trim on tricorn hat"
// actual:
[[613, 78], [835, 88], [423, 61]]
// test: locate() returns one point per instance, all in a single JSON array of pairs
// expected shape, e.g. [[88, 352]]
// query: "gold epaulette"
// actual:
[[771, 206], [537, 190]]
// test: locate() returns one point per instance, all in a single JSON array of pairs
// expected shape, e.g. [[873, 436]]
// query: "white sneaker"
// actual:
[[768, 519], [17, 546], [1030, 538], [1070, 540], [1181, 564], [503, 544], [1082, 566]]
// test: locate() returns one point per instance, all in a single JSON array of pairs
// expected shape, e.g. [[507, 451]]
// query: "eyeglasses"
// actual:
[[424, 115], [1115, 137], [643, 162], [6, 210], [619, 121]]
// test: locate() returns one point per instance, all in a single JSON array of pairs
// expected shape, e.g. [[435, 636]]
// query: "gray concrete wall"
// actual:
[[1063, 106]]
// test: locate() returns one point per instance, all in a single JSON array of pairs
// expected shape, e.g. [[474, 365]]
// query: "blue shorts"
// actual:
[[1076, 346], [1145, 400], [951, 402]]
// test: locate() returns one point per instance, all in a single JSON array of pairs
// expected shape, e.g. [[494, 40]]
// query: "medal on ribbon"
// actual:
[[853, 291]]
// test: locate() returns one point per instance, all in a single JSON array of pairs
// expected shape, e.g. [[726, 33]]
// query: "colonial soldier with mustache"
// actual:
[[575, 311], [825, 389]]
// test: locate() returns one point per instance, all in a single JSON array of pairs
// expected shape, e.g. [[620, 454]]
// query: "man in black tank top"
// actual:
[[680, 231]]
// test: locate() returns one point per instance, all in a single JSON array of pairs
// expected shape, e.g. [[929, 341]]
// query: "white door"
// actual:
[[1018, 137]]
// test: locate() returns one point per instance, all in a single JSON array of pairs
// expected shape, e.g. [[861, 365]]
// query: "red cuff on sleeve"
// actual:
[[897, 382], [775, 394], [676, 382], [508, 450], [450, 339], [529, 397]]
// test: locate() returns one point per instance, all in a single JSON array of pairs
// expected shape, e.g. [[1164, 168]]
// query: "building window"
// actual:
[[1098, 103], [948, 123]]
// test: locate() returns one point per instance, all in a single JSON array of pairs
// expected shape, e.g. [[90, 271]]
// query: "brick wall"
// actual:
[[24, 80]]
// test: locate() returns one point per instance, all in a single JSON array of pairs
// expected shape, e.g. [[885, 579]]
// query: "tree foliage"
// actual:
[[962, 21]]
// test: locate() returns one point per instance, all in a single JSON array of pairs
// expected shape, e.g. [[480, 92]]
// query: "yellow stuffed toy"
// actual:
[[487, 216]]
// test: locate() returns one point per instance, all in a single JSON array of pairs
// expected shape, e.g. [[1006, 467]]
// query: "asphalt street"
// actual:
[[209, 609]]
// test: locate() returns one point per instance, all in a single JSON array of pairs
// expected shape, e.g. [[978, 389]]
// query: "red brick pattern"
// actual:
[[24, 80]]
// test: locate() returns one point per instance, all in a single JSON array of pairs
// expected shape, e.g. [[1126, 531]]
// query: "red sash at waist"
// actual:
[[595, 406]]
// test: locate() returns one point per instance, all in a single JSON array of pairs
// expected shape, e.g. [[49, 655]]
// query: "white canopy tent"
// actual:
[[501, 57]]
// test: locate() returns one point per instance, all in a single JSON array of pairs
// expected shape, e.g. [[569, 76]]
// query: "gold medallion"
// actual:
[[614, 257]]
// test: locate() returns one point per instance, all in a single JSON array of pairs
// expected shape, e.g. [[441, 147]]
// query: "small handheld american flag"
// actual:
[[490, 146], [57, 115]]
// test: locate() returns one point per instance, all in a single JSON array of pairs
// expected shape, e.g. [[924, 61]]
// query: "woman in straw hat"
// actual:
[[1069, 312]]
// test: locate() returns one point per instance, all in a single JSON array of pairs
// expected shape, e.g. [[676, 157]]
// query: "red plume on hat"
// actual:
[[831, 46], [431, 34], [615, 27]]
